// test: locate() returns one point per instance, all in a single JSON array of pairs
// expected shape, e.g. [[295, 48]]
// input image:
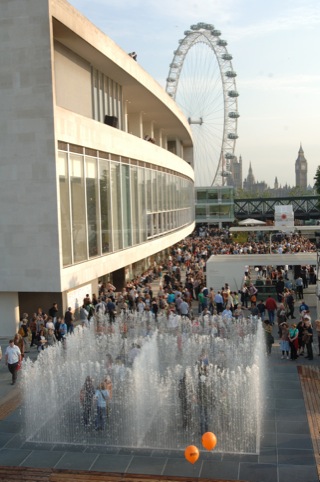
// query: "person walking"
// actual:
[[308, 334], [63, 329], [284, 340], [271, 306], [267, 326], [289, 299], [13, 358], [69, 319], [262, 309], [293, 340], [218, 299], [299, 287], [53, 312]]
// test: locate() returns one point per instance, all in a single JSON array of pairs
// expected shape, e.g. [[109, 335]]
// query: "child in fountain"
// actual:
[[101, 396]]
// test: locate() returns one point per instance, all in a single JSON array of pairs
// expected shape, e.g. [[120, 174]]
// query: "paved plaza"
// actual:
[[286, 453]]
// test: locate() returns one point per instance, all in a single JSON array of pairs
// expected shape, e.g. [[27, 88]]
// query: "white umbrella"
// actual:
[[251, 222]]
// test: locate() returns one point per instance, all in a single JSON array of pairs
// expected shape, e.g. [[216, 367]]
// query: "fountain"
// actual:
[[171, 382]]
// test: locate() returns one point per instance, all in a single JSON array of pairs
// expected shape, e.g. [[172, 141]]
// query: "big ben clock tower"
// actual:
[[301, 170]]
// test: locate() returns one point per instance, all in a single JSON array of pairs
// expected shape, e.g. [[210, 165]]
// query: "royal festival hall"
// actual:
[[84, 196]]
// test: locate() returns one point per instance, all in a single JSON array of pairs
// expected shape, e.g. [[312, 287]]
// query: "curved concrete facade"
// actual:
[[61, 79]]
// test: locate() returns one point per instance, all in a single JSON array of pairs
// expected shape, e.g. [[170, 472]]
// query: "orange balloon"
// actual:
[[209, 440], [191, 454]]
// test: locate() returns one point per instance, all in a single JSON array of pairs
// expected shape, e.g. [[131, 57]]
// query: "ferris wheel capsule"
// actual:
[[231, 74], [234, 115]]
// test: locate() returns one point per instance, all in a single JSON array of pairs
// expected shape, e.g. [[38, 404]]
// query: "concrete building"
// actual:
[[84, 196]]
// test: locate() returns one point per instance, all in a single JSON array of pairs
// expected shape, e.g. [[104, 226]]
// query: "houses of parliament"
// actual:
[[250, 185]]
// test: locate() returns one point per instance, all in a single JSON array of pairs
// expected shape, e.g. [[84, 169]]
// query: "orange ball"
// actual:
[[191, 454], [209, 440]]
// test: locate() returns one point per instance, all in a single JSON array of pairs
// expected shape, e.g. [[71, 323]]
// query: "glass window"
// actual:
[[106, 96], [225, 210], [161, 191], [101, 98], [115, 99], [201, 195], [116, 204], [95, 94], [149, 190], [154, 224], [126, 205], [171, 190], [154, 190], [213, 195], [172, 146], [92, 206], [226, 196], [105, 204], [119, 108], [134, 204], [214, 210], [149, 225], [142, 203], [201, 210], [78, 208], [65, 221]]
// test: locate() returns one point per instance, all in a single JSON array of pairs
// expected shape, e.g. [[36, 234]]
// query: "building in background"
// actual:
[[84, 195], [235, 178], [251, 185], [301, 170]]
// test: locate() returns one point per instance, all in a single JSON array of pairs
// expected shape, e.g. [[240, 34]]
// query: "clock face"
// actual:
[[303, 167]]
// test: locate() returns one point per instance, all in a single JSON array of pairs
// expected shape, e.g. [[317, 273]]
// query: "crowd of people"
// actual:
[[222, 241], [182, 291]]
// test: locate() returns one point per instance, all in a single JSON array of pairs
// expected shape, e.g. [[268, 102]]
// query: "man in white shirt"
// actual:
[[13, 357]]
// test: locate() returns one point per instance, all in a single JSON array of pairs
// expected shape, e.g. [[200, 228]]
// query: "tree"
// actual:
[[317, 184]]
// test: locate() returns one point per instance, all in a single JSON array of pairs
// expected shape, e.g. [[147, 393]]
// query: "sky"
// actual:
[[275, 48]]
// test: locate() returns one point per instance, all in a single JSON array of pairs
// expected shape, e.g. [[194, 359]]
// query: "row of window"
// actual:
[[107, 205], [107, 98], [219, 211], [213, 194]]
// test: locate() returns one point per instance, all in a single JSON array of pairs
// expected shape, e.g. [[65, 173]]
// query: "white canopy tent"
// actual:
[[251, 222]]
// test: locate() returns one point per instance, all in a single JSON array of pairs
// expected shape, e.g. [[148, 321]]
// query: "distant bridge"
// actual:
[[304, 207]]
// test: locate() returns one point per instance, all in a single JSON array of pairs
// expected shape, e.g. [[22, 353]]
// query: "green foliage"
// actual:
[[317, 184], [317, 179]]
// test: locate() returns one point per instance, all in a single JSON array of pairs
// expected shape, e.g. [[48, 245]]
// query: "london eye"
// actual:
[[201, 80]]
